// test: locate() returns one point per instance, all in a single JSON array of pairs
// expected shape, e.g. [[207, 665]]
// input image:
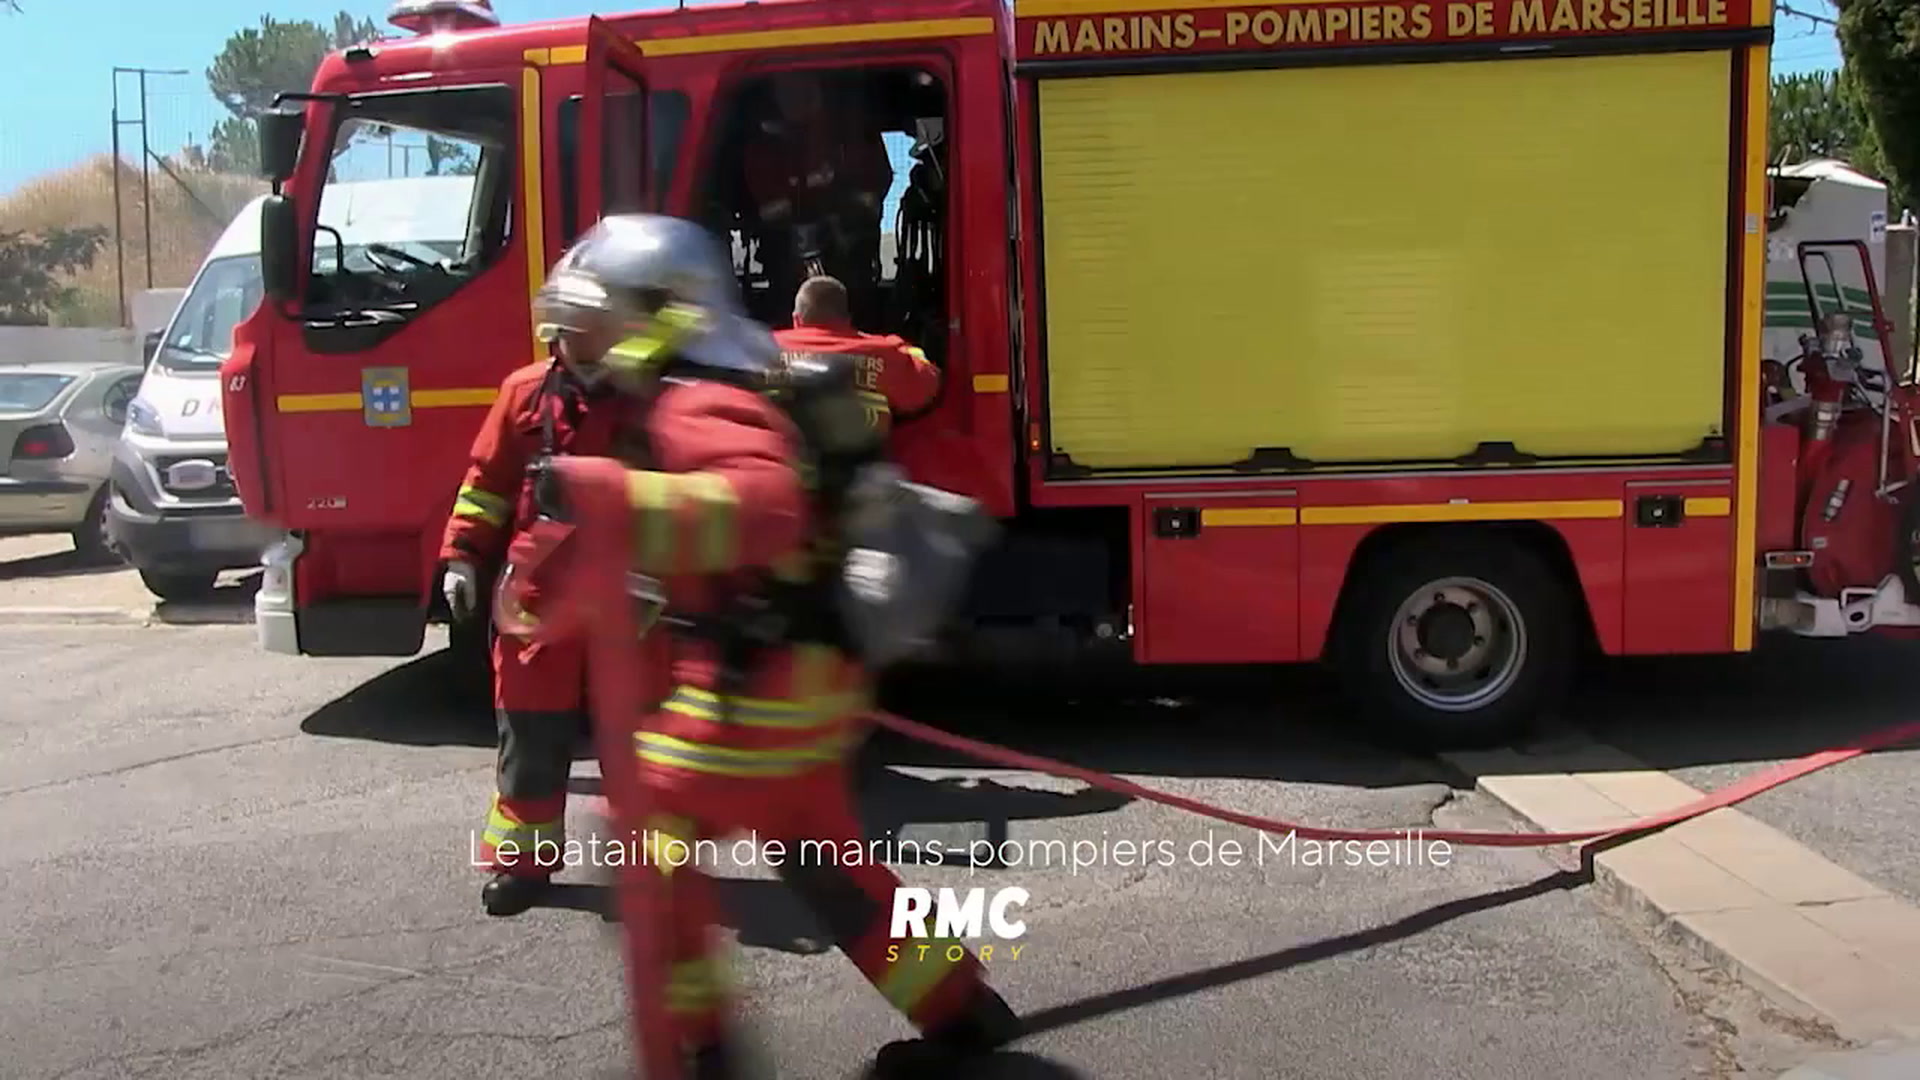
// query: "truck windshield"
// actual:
[[201, 334], [417, 196]]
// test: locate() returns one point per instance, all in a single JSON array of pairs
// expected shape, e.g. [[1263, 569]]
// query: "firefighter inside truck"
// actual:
[[895, 258]]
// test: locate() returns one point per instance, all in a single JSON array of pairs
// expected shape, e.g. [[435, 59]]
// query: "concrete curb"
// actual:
[[1743, 896], [70, 616]]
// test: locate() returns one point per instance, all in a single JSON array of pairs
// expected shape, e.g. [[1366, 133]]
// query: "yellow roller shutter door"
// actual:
[[1387, 263]]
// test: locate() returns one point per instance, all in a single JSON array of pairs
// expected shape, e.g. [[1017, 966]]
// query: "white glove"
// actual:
[[461, 586]]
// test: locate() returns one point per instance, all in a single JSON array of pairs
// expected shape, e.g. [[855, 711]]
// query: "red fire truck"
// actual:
[[1312, 331]]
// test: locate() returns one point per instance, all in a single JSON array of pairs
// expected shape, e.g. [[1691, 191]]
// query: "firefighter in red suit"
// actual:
[[894, 378], [739, 741], [565, 406], [818, 178]]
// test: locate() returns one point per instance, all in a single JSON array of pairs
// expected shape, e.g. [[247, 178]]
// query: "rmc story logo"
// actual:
[[954, 917]]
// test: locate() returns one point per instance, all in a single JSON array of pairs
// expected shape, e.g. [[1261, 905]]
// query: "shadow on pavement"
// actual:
[[230, 603], [409, 705], [58, 565], [1213, 978], [1267, 724], [1002, 1065], [1788, 698], [1276, 723]]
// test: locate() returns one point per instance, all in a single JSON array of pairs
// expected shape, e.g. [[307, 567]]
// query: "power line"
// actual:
[[1807, 15]]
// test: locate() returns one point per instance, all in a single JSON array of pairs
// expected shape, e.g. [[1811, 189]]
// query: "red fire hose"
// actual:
[[1727, 796]]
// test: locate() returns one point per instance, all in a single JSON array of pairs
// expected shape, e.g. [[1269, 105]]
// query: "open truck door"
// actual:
[[396, 244], [614, 163]]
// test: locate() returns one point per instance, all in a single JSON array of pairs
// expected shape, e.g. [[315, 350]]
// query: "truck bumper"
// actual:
[[275, 622]]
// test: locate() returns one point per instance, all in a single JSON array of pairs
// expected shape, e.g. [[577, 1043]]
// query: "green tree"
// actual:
[[258, 63], [448, 158], [31, 266], [1881, 42], [1822, 114]]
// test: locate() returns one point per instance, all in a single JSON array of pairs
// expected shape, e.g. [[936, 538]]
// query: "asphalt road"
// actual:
[[226, 864]]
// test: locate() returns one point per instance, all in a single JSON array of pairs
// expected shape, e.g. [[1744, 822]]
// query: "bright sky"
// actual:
[[56, 90]]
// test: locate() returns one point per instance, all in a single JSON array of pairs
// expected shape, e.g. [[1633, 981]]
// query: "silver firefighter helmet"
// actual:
[[653, 287]]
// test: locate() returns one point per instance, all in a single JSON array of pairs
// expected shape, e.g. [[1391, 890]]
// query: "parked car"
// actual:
[[173, 511], [58, 426]]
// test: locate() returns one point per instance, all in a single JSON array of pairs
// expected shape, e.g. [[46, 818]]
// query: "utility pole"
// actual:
[[146, 180]]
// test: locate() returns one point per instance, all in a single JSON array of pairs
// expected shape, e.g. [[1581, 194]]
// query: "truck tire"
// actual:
[[1456, 642], [180, 588]]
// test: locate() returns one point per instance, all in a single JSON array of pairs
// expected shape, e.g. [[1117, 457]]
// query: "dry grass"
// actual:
[[183, 230]]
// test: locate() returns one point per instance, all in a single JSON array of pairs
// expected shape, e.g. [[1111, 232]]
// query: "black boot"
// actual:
[[506, 895], [987, 1025], [715, 1061]]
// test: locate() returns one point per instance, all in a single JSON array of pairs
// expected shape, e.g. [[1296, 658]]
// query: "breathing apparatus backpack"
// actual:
[[891, 560]]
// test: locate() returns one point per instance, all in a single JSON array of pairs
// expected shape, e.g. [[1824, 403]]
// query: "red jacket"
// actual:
[[895, 377], [495, 501], [726, 498], [792, 168]]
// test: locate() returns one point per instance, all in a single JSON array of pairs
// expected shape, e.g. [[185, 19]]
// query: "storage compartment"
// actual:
[[1387, 263], [1221, 578], [1679, 567]]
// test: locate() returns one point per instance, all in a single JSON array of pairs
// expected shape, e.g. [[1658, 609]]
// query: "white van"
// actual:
[[173, 512]]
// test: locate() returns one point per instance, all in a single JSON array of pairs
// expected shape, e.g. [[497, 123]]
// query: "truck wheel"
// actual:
[[179, 587], [1458, 642]]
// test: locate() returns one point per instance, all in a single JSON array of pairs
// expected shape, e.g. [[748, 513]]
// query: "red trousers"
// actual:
[[539, 705], [811, 815]]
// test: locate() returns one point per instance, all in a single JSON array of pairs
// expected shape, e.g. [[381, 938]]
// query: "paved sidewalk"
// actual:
[[1885, 1061], [1767, 909]]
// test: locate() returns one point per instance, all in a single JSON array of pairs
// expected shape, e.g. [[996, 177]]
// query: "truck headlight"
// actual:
[[144, 419]]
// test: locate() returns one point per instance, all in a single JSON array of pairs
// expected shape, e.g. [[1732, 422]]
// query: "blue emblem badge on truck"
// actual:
[[384, 397]]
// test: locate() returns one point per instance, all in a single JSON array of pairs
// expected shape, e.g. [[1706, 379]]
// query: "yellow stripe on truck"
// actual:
[[462, 397], [844, 34], [1560, 510]]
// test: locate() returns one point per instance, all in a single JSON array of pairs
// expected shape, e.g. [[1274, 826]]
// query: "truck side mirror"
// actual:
[[150, 345], [280, 132], [279, 248]]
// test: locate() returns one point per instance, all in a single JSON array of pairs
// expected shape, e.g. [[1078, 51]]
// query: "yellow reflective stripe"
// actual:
[[651, 496], [662, 501], [661, 749], [661, 832], [813, 668], [911, 977], [695, 981], [669, 326], [713, 499], [485, 505], [764, 712], [524, 834]]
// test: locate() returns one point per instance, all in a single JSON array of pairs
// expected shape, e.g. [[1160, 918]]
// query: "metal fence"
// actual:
[[161, 208]]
